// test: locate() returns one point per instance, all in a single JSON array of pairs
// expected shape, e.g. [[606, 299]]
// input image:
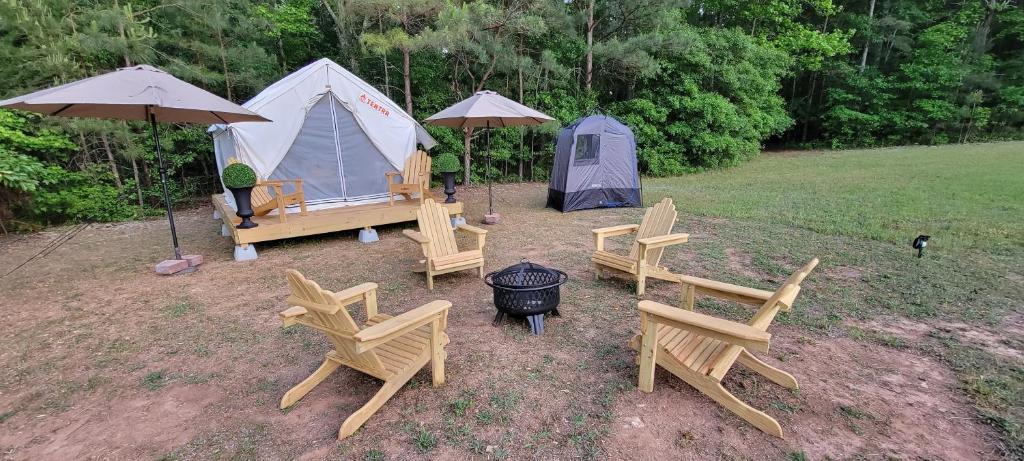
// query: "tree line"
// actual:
[[703, 84]]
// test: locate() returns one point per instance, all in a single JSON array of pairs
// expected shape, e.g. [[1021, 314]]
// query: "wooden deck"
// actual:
[[320, 221]]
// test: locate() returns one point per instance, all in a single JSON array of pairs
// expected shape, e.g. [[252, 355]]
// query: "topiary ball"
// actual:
[[238, 175], [446, 163]]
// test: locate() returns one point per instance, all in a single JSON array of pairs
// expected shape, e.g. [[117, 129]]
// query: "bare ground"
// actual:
[[102, 359]]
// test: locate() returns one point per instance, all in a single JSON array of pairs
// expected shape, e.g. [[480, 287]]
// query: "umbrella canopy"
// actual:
[[490, 110], [128, 94], [137, 93], [487, 109]]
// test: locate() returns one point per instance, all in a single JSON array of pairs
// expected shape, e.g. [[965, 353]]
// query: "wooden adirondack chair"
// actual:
[[268, 195], [388, 348], [701, 349], [652, 236], [437, 239], [415, 178]]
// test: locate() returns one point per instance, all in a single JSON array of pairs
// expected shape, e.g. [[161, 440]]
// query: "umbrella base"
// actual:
[[492, 218], [186, 265], [171, 266]]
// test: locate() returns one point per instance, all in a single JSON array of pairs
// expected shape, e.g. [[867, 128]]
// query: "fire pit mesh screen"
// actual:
[[526, 289]]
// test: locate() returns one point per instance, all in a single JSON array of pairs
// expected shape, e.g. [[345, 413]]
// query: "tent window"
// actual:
[[587, 147]]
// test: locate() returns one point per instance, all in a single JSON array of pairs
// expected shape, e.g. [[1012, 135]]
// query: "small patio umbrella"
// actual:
[[137, 93], [487, 109]]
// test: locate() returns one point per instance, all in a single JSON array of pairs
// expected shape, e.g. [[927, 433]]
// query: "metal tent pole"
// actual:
[[163, 180]]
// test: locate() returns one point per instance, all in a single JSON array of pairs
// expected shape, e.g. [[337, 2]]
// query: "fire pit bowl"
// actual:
[[526, 290]]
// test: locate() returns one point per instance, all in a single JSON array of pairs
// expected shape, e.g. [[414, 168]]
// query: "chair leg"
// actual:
[[641, 284], [300, 390], [648, 353], [437, 353], [597, 272], [481, 270], [687, 294], [752, 415], [774, 374], [430, 280], [391, 386]]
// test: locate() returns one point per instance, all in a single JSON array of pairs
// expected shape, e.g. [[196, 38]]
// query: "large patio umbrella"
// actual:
[[486, 109], [137, 93]]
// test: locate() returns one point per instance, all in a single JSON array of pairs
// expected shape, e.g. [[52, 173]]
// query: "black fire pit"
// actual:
[[526, 290]]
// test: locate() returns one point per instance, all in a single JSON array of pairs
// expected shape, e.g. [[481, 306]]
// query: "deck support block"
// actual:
[[224, 231], [245, 252], [368, 235], [458, 220]]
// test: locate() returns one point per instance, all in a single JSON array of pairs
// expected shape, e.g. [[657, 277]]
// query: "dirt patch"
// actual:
[[742, 263], [871, 398], [135, 427], [844, 273], [1007, 342]]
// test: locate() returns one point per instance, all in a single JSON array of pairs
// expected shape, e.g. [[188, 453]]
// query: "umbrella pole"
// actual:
[[163, 180], [490, 195]]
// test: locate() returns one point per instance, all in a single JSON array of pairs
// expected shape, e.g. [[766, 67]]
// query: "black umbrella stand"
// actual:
[[178, 265], [491, 217]]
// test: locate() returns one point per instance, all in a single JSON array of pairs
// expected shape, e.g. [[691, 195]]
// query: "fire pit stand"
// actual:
[[526, 290]]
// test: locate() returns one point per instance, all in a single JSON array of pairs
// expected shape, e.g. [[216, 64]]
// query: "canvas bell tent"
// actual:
[[595, 166], [331, 129]]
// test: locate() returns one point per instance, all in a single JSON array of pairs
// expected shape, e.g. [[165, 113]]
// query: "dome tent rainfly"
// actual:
[[595, 166], [331, 129]]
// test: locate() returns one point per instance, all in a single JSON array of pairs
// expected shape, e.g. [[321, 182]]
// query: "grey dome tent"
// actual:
[[595, 166]]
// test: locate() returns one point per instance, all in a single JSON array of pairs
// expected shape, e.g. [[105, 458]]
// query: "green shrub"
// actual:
[[76, 196], [446, 163], [238, 175]]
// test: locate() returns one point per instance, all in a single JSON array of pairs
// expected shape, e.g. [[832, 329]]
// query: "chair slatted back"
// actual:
[[658, 221], [260, 195], [417, 168], [436, 225], [326, 313]]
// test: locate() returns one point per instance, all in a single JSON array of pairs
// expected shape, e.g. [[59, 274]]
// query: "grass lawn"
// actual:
[[967, 197], [896, 356]]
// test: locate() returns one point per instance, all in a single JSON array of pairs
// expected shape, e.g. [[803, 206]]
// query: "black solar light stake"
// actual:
[[919, 243]]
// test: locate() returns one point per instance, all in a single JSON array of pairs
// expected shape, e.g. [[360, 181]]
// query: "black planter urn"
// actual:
[[448, 177], [243, 201]]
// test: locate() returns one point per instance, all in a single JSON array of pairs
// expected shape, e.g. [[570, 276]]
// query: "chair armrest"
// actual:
[[706, 325], [481, 235], [420, 239], [600, 234], [289, 316], [726, 291], [415, 236], [472, 229], [371, 337], [279, 182], [355, 294], [663, 241], [616, 230]]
